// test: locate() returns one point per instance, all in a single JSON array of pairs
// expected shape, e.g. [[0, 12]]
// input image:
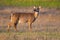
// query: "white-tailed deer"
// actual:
[[23, 18]]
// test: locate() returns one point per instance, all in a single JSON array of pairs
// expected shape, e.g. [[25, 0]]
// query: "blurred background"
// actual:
[[46, 26]]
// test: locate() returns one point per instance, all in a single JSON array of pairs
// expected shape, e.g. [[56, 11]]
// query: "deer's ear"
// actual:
[[34, 7]]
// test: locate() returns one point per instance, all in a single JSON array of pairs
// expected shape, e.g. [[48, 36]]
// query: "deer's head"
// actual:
[[36, 10]]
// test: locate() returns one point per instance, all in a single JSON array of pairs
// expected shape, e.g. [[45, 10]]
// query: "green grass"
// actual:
[[24, 3], [46, 34], [29, 36]]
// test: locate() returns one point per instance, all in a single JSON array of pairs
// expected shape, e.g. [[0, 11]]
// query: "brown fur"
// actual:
[[22, 18]]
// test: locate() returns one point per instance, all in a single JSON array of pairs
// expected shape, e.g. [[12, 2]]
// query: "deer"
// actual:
[[21, 17]]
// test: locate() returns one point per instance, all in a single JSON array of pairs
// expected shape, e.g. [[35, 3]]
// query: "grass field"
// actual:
[[46, 27], [25, 3], [29, 36]]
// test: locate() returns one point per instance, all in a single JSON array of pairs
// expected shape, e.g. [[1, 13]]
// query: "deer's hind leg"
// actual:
[[15, 26], [15, 23]]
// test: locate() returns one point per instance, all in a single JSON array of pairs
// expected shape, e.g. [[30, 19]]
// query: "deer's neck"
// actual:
[[36, 14]]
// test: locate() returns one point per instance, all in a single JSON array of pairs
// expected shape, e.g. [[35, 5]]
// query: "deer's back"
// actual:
[[24, 17]]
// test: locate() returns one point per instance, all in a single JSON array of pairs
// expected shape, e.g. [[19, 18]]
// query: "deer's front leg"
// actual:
[[9, 25], [29, 23]]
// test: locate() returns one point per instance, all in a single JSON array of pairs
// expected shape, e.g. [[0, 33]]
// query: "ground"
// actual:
[[46, 26]]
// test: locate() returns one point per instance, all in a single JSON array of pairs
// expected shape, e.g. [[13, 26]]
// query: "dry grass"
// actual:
[[29, 36], [46, 27]]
